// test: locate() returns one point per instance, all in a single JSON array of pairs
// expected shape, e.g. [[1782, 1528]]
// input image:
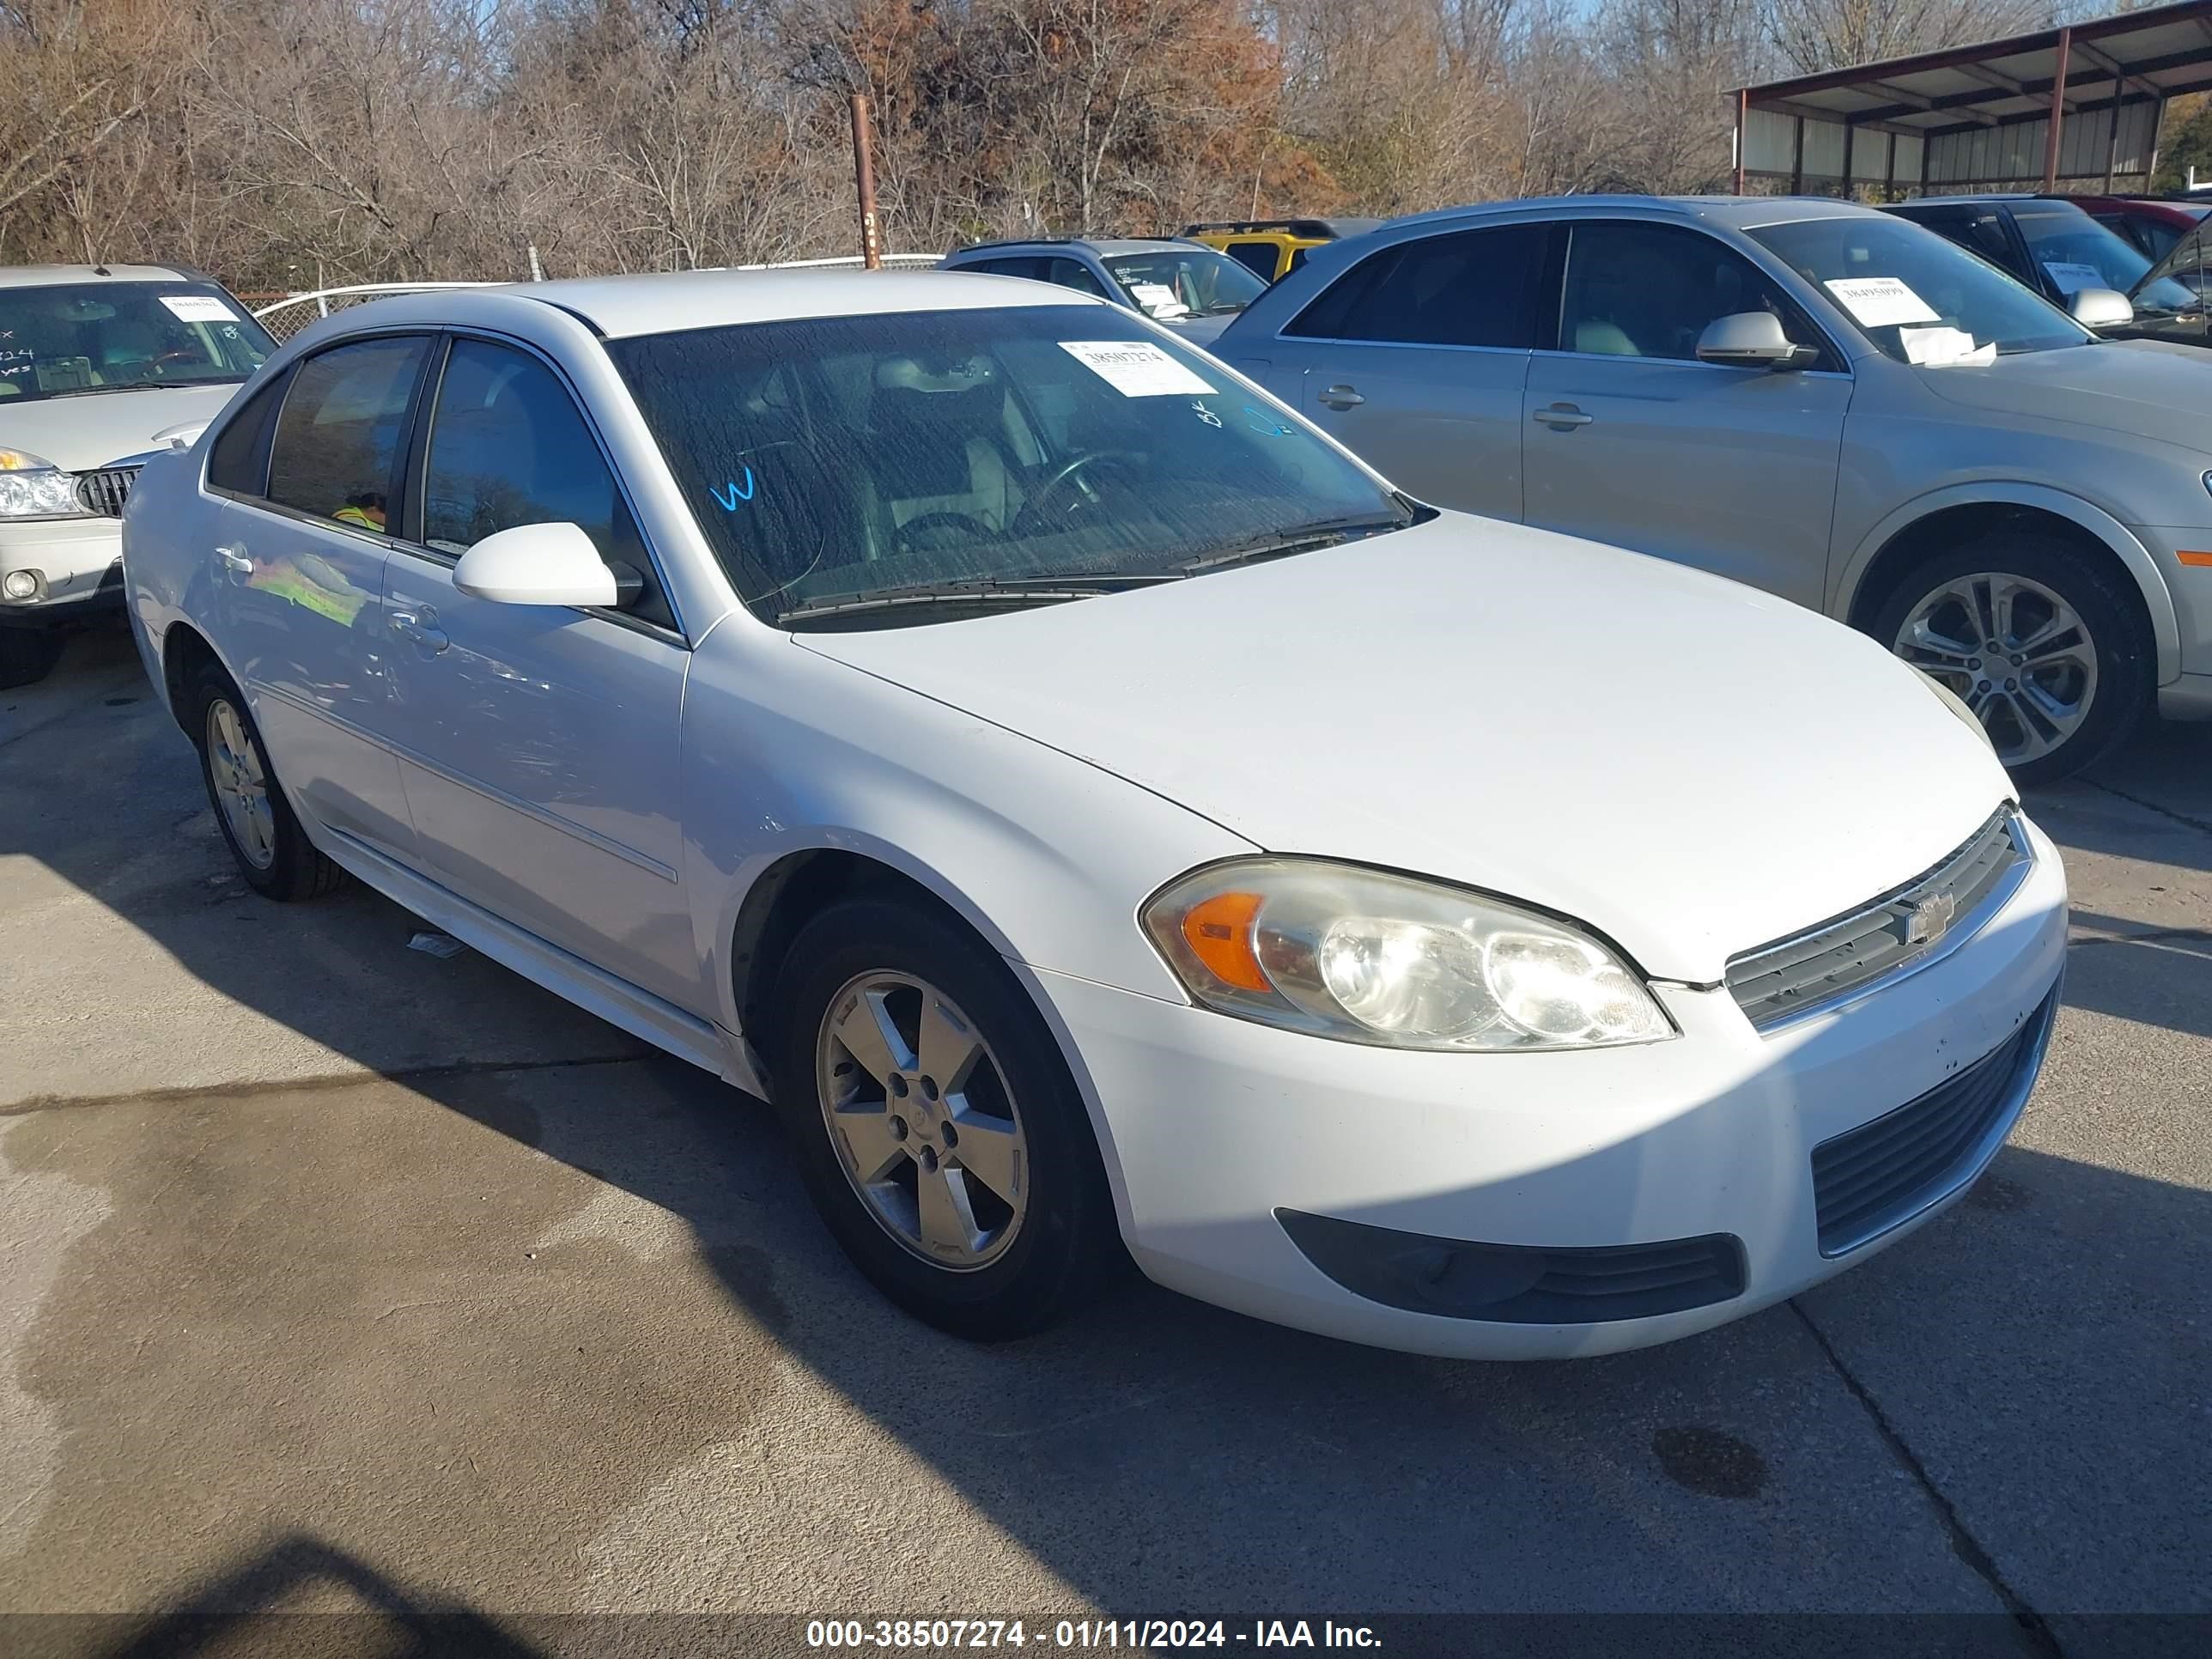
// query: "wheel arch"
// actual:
[[1918, 528], [183, 651]]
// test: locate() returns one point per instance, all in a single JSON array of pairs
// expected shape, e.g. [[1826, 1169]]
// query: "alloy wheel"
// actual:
[[2014, 651], [925, 1125], [241, 784]]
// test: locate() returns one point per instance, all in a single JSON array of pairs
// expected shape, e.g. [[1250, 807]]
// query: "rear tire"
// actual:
[[2043, 640], [1024, 1256], [258, 825], [27, 655]]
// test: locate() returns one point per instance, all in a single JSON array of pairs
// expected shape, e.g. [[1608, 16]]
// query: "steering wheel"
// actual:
[[1067, 479], [916, 530]]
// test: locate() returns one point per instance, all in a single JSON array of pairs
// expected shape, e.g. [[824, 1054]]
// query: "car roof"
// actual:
[[1991, 198], [52, 275], [620, 308], [1106, 246], [1734, 212]]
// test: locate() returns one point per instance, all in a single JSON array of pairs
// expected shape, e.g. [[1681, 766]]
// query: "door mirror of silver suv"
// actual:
[[2100, 307], [1750, 339], [544, 564]]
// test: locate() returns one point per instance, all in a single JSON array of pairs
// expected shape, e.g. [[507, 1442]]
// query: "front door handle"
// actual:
[[1562, 416], [233, 561], [421, 627], [1340, 396]]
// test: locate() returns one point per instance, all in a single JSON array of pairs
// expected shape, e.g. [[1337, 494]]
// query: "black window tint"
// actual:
[[1258, 257], [1074, 273], [1033, 269], [239, 462], [1471, 288], [340, 430], [1637, 290], [1980, 230], [508, 447]]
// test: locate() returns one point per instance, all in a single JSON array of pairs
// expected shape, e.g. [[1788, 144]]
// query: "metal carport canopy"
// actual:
[[2003, 101]]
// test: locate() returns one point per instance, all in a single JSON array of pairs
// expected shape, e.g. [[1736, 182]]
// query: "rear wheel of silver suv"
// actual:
[[2047, 646]]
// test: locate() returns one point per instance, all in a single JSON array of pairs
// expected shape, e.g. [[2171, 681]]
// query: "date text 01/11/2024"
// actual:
[[894, 1634]]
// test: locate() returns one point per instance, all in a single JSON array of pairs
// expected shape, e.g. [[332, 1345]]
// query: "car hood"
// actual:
[[2151, 389], [76, 434], [1691, 767]]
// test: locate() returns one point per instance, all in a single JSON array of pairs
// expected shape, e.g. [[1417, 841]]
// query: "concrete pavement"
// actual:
[[340, 1277]]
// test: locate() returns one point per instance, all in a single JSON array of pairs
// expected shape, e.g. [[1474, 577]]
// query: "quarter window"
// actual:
[[239, 462], [1468, 288], [1639, 290], [338, 439], [508, 447], [1258, 257]]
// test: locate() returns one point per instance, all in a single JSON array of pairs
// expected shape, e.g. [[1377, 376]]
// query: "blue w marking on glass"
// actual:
[[730, 496]]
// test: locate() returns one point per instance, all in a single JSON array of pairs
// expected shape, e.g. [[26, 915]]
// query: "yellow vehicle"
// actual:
[[1274, 248]]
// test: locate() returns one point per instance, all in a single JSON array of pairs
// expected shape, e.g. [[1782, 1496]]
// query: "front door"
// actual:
[[1629, 439], [1415, 358], [538, 744], [298, 575]]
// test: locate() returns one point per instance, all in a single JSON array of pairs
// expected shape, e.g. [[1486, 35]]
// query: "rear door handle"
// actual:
[[421, 627], [1340, 396], [233, 561], [1563, 416]]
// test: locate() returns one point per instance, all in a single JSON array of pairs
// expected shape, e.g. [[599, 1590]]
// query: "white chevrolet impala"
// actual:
[[1105, 818]]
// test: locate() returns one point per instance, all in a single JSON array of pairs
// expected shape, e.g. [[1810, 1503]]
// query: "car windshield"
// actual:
[[1199, 280], [70, 339], [1919, 297], [2075, 251], [992, 453]]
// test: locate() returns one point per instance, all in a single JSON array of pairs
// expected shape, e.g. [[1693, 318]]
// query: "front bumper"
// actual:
[[1213, 1126], [77, 562]]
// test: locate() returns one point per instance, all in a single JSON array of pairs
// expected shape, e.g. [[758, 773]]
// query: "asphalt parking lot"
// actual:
[[341, 1277]]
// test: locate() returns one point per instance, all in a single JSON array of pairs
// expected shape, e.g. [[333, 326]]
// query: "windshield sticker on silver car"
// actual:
[[1135, 368], [198, 308], [2071, 278], [1881, 301], [1937, 347]]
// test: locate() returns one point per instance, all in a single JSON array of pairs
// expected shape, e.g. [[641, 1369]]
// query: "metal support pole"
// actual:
[[2112, 136], [1743, 106], [864, 180], [1889, 171], [1797, 161], [2058, 111], [1851, 137]]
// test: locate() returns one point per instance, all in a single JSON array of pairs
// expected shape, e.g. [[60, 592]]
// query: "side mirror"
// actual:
[[544, 564], [2100, 307], [1749, 339]]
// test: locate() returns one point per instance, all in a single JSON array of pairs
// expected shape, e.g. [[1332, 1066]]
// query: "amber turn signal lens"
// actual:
[[1220, 934]]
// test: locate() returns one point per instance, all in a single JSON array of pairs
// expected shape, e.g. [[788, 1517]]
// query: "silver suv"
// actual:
[[1817, 398], [1192, 289]]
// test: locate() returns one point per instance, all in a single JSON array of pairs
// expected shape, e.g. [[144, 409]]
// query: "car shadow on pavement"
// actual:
[[1154, 1457]]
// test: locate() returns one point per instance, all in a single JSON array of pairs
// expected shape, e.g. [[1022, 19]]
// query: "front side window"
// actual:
[[2074, 251], [72, 339], [339, 435], [1467, 287], [1074, 273], [1897, 281], [1979, 229], [845, 460], [1186, 282], [1644, 290]]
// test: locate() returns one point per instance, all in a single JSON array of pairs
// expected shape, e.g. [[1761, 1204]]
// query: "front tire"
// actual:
[[2043, 641], [27, 655], [936, 1124], [258, 825]]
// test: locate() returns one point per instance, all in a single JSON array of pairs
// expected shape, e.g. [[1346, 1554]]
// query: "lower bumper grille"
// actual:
[[1516, 1283], [1885, 1172], [104, 489]]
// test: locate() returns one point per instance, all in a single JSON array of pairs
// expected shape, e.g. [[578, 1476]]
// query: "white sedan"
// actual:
[[1106, 818]]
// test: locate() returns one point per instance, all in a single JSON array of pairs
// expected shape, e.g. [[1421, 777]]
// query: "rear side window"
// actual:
[[508, 447], [339, 438], [1258, 257], [239, 464], [1470, 287]]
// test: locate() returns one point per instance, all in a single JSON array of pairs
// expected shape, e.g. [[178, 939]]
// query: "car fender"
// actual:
[[2150, 582]]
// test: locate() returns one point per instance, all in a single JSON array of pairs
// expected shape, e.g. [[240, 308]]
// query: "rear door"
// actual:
[[1630, 440], [299, 580], [538, 744], [1415, 359]]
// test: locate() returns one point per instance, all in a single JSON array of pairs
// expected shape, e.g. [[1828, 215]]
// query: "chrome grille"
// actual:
[[1820, 968], [104, 489]]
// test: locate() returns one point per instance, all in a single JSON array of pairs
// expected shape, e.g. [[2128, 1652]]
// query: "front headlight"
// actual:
[[1363, 957], [32, 487], [1951, 701]]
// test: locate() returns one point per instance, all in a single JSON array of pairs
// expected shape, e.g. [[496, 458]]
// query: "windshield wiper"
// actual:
[[1299, 539], [986, 589]]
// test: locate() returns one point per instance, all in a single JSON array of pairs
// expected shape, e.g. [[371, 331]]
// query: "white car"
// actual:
[[1101, 814], [98, 365]]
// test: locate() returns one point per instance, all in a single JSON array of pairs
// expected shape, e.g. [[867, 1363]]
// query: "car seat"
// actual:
[[939, 454]]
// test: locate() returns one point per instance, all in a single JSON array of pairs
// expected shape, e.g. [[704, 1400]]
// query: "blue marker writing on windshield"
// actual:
[[732, 496]]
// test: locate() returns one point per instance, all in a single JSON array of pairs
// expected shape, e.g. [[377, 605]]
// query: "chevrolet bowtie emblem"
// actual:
[[1928, 918]]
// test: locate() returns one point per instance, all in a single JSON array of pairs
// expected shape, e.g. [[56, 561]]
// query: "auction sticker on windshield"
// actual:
[[1881, 301], [2072, 278], [198, 308], [1135, 368]]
